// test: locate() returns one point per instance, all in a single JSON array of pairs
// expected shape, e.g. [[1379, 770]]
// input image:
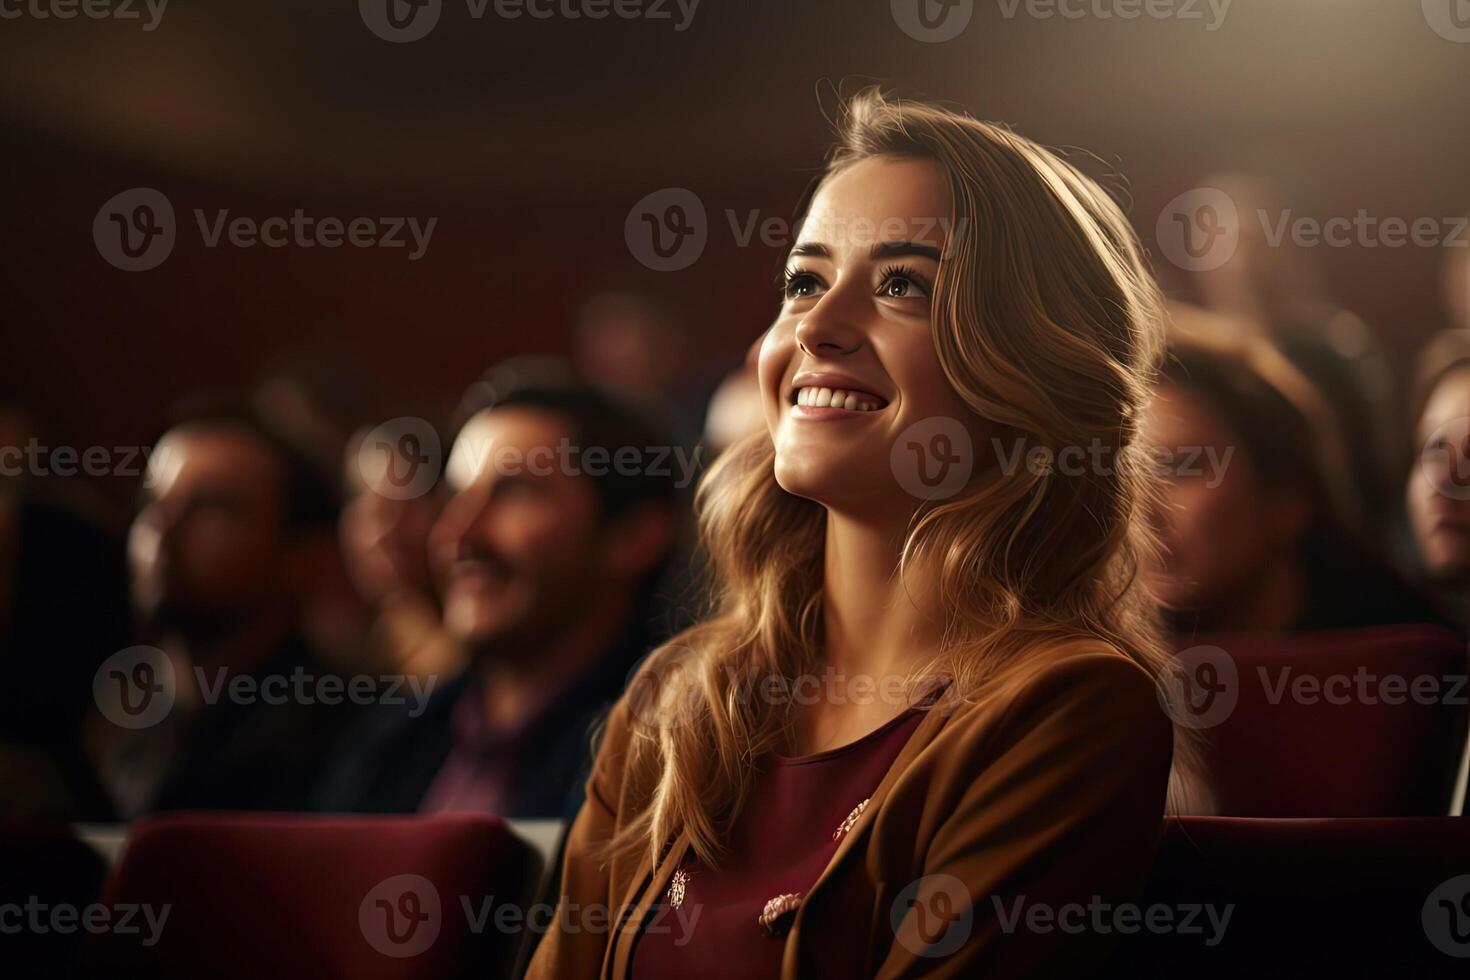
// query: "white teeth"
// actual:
[[835, 398]]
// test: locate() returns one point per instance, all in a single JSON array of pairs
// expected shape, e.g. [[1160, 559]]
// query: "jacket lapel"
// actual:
[[619, 960]]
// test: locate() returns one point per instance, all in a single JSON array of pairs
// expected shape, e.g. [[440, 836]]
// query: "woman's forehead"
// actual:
[[880, 199]]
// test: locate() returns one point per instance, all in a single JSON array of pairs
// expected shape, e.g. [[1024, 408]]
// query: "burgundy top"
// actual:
[[781, 844]]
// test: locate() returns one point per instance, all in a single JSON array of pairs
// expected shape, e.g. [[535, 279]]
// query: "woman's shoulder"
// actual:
[[1073, 686]]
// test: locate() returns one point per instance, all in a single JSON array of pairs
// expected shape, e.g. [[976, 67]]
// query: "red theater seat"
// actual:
[[1306, 898], [365, 898], [1355, 723]]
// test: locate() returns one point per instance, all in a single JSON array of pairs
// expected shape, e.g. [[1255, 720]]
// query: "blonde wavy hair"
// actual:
[[1049, 326]]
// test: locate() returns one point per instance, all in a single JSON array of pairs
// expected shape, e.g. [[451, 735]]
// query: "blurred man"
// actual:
[[232, 522], [384, 532], [560, 521]]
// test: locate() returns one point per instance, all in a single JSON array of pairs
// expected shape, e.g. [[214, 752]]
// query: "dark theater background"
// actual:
[[530, 140], [299, 243]]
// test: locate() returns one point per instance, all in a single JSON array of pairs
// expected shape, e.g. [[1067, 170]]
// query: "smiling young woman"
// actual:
[[923, 701]]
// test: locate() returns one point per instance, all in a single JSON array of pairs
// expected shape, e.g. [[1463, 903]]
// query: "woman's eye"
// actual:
[[800, 285], [902, 284]]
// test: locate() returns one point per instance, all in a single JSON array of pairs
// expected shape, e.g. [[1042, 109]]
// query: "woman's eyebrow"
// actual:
[[816, 249], [890, 250]]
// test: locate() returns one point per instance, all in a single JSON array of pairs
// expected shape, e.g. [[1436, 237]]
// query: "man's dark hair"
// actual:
[[312, 497], [598, 419]]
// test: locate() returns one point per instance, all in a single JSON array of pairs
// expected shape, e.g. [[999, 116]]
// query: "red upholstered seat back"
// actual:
[[270, 897], [1354, 723], [1343, 899]]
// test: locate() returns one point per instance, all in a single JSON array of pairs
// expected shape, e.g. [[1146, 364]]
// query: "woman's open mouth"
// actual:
[[838, 398]]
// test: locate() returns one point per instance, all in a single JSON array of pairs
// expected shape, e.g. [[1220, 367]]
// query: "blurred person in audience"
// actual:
[[735, 409], [547, 559], [1438, 490], [309, 399], [636, 346], [1277, 287], [63, 611], [384, 534], [1259, 525], [235, 512]]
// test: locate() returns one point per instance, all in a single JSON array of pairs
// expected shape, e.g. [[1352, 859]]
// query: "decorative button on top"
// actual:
[[852, 818], [677, 888], [778, 913]]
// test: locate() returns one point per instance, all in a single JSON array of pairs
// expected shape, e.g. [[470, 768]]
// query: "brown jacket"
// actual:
[[1032, 817]]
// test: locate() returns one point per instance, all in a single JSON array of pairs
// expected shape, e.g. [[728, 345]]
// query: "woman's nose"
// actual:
[[828, 331]]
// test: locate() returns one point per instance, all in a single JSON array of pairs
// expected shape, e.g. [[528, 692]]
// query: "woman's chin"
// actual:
[[833, 486]]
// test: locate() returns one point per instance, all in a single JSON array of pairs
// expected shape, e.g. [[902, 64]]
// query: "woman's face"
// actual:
[[861, 415]]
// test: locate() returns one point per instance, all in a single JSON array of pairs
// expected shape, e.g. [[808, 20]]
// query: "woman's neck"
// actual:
[[874, 621]]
